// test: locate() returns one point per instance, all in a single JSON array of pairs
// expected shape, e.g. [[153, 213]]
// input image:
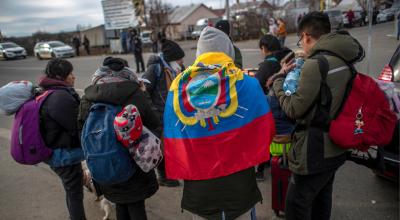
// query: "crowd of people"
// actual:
[[225, 191]]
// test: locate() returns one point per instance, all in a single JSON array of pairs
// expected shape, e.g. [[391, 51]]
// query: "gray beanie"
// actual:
[[214, 40]]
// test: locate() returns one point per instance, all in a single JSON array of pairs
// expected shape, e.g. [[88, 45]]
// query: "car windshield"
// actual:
[[8, 45], [395, 64], [56, 44], [145, 35], [200, 27]]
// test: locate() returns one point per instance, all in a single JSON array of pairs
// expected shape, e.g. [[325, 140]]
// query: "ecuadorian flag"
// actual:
[[216, 121]]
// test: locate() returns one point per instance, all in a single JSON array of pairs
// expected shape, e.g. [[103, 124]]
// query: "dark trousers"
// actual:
[[309, 197], [72, 178], [155, 47], [131, 211], [77, 51], [282, 41], [139, 62], [87, 50]]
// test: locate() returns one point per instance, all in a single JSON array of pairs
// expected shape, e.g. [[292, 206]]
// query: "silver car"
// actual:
[[335, 17], [387, 15], [53, 49], [9, 50]]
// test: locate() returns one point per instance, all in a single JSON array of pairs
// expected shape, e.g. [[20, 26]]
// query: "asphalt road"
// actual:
[[30, 192]]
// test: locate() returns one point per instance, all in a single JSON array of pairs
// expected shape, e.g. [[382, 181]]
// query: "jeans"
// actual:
[[139, 62], [131, 211], [309, 197], [72, 178]]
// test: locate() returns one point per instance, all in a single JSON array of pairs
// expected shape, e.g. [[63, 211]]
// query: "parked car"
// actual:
[[9, 50], [335, 17], [146, 38], [388, 156], [357, 21], [50, 49], [386, 15]]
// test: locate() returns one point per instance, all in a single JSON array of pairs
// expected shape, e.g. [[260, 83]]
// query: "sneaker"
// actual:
[[260, 176], [168, 182]]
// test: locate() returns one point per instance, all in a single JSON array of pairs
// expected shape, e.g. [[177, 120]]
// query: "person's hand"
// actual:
[[142, 86], [287, 66]]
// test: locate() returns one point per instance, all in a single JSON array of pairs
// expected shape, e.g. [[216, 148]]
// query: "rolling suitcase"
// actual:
[[280, 175]]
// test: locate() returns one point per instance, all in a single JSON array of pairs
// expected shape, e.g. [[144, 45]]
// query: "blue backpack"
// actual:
[[107, 159]]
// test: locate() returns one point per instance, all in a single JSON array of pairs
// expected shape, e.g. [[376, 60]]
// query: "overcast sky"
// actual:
[[24, 17]]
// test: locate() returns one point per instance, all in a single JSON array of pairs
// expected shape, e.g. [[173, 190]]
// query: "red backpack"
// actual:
[[364, 118]]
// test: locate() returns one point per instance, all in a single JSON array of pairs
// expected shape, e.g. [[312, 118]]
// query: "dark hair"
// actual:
[[315, 24], [116, 64], [270, 42], [224, 26], [58, 68]]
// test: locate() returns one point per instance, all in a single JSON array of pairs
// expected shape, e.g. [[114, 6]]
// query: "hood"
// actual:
[[214, 40], [282, 53], [153, 59], [14, 49], [116, 93], [47, 82], [342, 44]]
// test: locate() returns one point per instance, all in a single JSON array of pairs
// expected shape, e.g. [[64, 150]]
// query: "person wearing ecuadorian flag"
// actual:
[[217, 127]]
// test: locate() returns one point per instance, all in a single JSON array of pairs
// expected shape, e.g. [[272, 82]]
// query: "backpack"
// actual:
[[143, 145], [364, 118], [27, 144], [108, 160]]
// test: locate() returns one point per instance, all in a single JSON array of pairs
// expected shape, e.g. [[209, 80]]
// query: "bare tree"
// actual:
[[139, 6], [158, 13]]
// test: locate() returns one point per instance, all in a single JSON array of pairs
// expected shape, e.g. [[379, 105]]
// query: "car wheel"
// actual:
[[38, 56], [53, 55]]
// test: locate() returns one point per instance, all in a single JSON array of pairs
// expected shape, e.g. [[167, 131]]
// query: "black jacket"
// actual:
[[208, 198], [58, 115], [158, 86], [141, 185], [269, 67]]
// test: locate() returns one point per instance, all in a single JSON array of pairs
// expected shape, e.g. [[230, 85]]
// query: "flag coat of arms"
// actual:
[[217, 121]]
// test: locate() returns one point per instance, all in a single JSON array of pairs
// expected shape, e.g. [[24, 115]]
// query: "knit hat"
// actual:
[[128, 125], [223, 25], [213, 40], [171, 50], [113, 70]]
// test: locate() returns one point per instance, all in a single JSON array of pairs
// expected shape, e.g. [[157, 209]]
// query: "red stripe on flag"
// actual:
[[222, 154], [222, 98], [185, 99]]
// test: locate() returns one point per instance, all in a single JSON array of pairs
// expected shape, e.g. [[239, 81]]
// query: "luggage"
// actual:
[[364, 118], [280, 175], [27, 144], [14, 95], [107, 159], [143, 145]]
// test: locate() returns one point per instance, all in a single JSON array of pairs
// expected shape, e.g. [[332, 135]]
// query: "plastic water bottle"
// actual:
[[291, 81]]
